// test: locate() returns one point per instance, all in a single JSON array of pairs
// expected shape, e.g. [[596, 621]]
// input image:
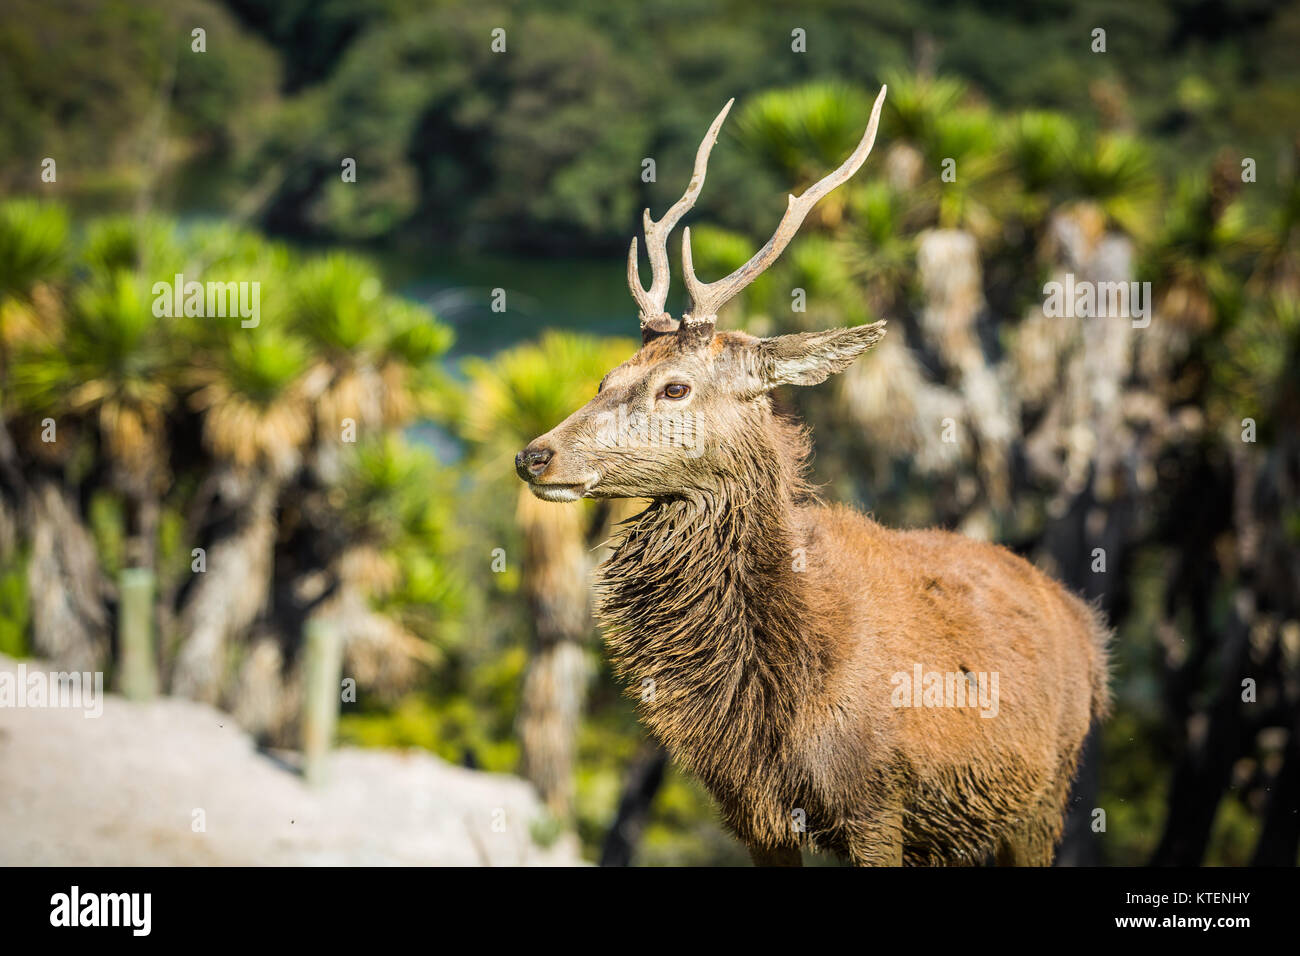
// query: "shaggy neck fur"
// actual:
[[701, 598]]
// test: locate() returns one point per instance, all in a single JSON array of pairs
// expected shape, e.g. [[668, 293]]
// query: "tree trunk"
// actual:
[[1205, 768], [65, 584], [555, 585], [1279, 840], [644, 779], [137, 649], [228, 596]]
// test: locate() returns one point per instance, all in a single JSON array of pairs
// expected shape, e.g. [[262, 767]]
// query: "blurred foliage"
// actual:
[[154, 411], [33, 240], [539, 147], [539, 150], [13, 606], [98, 115]]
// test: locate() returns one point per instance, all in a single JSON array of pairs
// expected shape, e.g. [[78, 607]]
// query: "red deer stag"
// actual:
[[895, 697]]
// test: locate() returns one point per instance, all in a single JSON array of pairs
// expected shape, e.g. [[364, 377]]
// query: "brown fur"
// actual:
[[761, 629]]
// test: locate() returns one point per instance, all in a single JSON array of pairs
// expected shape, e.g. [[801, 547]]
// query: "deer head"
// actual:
[[690, 410]]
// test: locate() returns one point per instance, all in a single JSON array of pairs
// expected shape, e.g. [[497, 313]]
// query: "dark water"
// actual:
[[586, 295]]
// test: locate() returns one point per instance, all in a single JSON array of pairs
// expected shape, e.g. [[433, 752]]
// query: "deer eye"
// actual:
[[676, 391]]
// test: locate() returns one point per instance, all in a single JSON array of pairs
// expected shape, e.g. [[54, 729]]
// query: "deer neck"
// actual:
[[705, 615]]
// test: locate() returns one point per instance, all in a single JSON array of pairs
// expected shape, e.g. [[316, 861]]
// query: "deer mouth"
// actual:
[[554, 491]]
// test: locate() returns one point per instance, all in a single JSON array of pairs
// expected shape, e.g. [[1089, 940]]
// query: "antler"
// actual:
[[708, 298], [651, 303]]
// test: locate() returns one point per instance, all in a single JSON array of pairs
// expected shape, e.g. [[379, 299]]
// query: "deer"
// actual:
[[798, 657]]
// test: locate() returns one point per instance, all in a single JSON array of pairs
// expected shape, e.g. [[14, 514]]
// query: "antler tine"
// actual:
[[651, 302], [708, 298]]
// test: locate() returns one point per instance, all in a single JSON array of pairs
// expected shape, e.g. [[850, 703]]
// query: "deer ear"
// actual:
[[809, 358]]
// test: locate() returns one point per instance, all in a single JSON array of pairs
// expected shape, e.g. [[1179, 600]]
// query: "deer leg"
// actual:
[[779, 856], [1033, 842], [1031, 845], [882, 849], [878, 840]]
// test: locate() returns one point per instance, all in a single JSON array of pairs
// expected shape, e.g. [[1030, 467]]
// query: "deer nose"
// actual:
[[532, 461]]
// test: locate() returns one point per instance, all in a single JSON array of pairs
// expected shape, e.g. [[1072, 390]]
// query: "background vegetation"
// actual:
[[463, 604]]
